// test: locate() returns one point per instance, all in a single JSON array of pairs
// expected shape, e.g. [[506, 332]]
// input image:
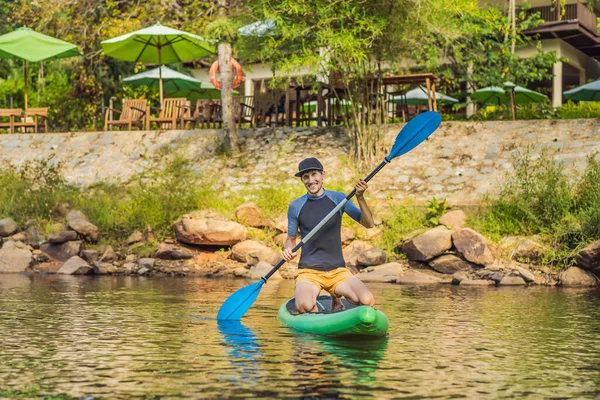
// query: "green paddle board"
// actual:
[[352, 321]]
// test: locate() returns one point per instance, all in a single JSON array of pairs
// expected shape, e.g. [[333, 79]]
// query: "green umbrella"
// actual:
[[157, 44], [176, 84], [418, 97], [29, 45], [498, 95], [588, 92]]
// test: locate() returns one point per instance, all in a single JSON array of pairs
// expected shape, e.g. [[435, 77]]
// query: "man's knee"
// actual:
[[367, 299], [305, 305]]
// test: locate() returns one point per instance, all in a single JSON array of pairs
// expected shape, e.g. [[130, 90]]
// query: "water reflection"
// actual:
[[240, 340], [328, 367]]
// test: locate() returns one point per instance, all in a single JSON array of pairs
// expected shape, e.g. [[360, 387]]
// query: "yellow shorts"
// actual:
[[327, 280]]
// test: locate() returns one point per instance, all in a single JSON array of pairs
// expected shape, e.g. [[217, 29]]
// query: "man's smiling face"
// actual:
[[313, 181]]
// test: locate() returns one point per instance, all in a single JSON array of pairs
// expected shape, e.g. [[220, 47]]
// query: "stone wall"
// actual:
[[461, 161]]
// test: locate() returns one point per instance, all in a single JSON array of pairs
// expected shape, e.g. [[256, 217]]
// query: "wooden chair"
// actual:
[[11, 114], [200, 116], [134, 113], [35, 119], [171, 112]]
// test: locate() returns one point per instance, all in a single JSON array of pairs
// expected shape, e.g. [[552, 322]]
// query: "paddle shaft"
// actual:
[[324, 220]]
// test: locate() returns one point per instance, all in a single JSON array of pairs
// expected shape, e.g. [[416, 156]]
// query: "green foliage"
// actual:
[[540, 197], [403, 223], [435, 209], [583, 109]]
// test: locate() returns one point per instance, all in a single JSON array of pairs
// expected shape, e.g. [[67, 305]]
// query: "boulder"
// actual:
[[34, 237], [353, 250], [135, 237], [477, 282], [525, 274], [589, 258], [280, 239], [347, 236], [511, 280], [473, 246], [428, 245], [252, 252], [389, 272], [249, 214], [454, 219], [167, 251], [62, 251], [416, 278], [108, 255], [50, 267], [211, 232], [90, 256], [8, 227], [62, 237], [578, 277], [458, 277], [75, 266], [261, 269], [79, 223], [372, 256], [209, 257], [449, 264], [14, 257]]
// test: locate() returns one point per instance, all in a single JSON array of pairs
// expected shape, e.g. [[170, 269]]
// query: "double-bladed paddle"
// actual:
[[412, 134]]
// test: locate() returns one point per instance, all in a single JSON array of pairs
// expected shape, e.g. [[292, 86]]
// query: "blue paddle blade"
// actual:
[[414, 132], [239, 302]]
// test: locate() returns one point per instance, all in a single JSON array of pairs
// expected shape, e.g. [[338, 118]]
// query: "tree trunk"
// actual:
[[226, 75]]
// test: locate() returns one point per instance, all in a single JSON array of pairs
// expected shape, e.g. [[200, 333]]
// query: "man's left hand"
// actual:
[[360, 187]]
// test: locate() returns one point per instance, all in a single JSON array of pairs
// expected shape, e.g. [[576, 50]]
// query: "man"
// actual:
[[322, 264]]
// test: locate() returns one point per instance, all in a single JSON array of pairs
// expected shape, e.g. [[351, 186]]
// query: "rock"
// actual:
[[131, 258], [511, 280], [172, 252], [417, 279], [281, 224], [347, 236], [209, 232], [589, 258], [103, 268], [261, 269], [62, 237], [150, 234], [251, 252], [62, 251], [428, 245], [529, 251], [75, 266], [79, 223], [389, 272], [147, 263], [14, 257], [458, 277], [372, 256], [8, 227], [50, 267], [449, 264], [280, 239], [90, 256], [129, 267], [473, 246], [578, 277], [249, 214], [143, 271], [477, 282], [34, 237], [19, 237], [207, 257], [108, 255], [454, 219], [353, 250], [525, 274], [241, 272], [135, 237]]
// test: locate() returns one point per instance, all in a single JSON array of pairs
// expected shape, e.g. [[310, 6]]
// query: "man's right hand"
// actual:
[[288, 254]]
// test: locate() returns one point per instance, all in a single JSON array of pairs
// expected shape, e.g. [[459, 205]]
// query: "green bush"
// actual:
[[584, 109]]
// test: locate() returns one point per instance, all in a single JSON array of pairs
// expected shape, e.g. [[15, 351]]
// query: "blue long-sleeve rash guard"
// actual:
[[323, 252]]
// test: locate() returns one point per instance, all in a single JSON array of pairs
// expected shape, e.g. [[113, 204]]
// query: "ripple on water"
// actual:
[[125, 337]]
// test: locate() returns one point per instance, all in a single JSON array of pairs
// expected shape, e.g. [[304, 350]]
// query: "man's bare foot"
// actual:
[[336, 304]]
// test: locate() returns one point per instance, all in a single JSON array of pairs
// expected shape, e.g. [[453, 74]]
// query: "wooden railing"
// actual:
[[572, 12]]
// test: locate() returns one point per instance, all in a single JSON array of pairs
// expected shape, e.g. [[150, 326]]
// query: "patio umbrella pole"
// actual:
[[160, 82], [25, 85]]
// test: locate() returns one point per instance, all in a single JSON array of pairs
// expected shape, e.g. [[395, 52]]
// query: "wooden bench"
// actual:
[[35, 118], [11, 114], [171, 112]]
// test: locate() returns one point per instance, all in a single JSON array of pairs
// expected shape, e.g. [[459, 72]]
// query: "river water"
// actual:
[[156, 338]]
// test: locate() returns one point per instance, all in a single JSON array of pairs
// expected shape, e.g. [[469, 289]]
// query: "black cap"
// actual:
[[309, 164]]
